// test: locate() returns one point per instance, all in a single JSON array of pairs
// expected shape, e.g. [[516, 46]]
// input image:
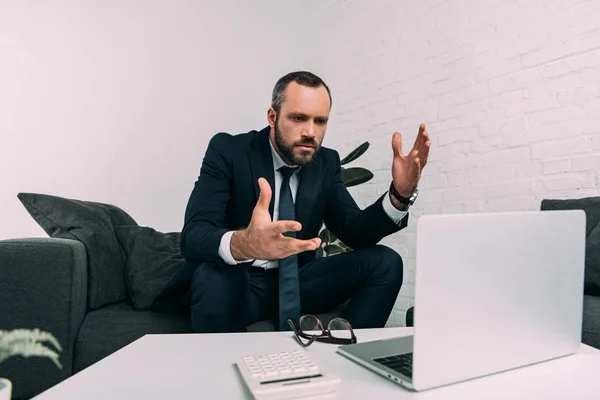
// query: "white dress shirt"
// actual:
[[225, 245]]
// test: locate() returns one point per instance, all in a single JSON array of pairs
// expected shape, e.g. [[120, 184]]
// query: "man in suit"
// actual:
[[253, 218]]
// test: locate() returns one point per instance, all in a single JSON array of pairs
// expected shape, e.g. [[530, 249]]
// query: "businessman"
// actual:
[[252, 222]]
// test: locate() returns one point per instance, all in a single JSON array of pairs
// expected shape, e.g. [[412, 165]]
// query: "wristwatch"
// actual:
[[407, 201]]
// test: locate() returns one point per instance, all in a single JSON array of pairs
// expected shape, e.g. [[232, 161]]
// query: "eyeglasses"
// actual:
[[310, 329]]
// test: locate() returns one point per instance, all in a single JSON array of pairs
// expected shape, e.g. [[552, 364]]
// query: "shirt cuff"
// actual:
[[392, 212], [261, 263], [225, 250]]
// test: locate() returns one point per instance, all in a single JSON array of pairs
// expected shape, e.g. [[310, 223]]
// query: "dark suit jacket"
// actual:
[[227, 190]]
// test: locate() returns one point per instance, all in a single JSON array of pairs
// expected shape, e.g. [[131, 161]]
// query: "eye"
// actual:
[[321, 121]]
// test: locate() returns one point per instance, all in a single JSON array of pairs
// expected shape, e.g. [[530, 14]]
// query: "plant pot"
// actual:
[[5, 389]]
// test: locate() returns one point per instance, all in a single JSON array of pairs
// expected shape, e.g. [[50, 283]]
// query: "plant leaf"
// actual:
[[356, 176], [326, 236], [345, 248], [26, 348], [354, 154], [333, 249], [29, 343], [319, 252]]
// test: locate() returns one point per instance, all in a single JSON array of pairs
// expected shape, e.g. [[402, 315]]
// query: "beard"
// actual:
[[287, 148]]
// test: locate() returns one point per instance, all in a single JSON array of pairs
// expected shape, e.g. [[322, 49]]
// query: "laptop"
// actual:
[[493, 292]]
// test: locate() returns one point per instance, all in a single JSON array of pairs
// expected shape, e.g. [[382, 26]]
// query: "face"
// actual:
[[298, 130]]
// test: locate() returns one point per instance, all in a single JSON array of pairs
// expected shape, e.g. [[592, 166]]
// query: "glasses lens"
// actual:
[[310, 325], [340, 329]]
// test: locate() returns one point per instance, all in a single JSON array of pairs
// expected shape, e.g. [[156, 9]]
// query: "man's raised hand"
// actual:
[[264, 239], [406, 169]]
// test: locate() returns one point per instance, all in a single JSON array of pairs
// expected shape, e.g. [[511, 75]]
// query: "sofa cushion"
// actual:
[[591, 206], [151, 259], [113, 327], [92, 224], [591, 321]]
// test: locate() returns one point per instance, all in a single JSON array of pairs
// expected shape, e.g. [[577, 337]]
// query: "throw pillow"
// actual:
[[92, 224], [591, 206], [152, 259]]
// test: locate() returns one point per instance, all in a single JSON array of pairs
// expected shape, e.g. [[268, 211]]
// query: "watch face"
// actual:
[[414, 196]]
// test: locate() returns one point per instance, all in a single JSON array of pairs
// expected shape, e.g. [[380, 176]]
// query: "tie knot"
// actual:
[[287, 172]]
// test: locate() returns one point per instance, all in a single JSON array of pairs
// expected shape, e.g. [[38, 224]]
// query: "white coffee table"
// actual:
[[202, 367]]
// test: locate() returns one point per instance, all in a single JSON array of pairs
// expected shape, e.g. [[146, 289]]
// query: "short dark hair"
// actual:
[[304, 78]]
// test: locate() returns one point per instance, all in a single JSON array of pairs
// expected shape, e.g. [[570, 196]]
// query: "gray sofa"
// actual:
[[44, 285]]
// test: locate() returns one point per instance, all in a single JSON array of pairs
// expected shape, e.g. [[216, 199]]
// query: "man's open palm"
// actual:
[[265, 239], [406, 169]]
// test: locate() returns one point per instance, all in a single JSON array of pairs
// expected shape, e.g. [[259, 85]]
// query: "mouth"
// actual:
[[304, 147]]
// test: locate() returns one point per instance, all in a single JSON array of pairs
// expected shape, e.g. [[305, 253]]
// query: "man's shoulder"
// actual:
[[227, 139]]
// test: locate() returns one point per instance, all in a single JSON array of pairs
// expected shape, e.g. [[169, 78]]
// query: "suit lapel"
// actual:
[[261, 164]]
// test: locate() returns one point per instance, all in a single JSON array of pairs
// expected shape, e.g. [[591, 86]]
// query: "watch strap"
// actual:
[[399, 197]]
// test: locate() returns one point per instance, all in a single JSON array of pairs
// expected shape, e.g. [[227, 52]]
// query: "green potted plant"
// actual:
[[26, 343], [353, 176]]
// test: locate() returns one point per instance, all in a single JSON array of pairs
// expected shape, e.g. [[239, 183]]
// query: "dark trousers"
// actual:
[[228, 299]]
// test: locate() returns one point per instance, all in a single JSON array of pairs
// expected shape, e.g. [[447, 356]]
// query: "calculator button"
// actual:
[[273, 366]]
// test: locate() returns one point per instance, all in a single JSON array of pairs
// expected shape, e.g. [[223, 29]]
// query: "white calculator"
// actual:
[[286, 375]]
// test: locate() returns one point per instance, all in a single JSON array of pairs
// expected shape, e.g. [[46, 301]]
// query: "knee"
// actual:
[[216, 297], [389, 263]]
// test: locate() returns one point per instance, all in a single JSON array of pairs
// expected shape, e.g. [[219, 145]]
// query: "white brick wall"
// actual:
[[510, 91]]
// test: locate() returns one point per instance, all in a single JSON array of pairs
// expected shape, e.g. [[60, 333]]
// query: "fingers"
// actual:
[[424, 140], [397, 144], [317, 242], [422, 137], [424, 148], [281, 227], [294, 246], [265, 194], [424, 154], [422, 144]]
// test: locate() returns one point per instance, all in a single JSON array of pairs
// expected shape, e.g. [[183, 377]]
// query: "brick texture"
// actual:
[[510, 91]]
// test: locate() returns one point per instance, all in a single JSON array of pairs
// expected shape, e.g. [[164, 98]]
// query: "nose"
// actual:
[[309, 132]]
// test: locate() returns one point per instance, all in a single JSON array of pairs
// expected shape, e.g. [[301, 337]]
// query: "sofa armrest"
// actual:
[[43, 284]]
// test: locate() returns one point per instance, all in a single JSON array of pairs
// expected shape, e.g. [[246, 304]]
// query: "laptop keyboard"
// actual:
[[401, 363]]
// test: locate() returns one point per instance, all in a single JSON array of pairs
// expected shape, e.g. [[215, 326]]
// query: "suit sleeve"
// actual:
[[355, 227], [206, 209]]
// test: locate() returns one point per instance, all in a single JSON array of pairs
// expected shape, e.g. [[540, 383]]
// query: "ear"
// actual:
[[271, 116]]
